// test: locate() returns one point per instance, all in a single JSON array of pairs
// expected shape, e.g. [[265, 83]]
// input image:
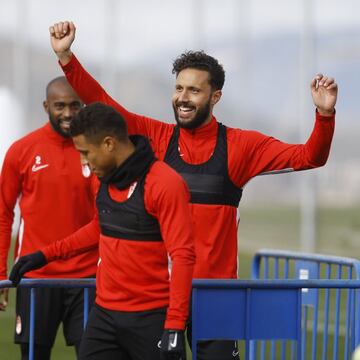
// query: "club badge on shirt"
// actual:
[[18, 326], [85, 171]]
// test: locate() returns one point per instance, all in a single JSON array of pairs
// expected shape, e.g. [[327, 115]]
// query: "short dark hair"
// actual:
[[96, 121], [200, 60]]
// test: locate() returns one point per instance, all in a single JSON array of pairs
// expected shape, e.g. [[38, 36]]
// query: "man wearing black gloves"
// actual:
[[142, 216], [27, 263]]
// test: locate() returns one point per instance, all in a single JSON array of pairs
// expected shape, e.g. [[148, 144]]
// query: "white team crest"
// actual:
[[38, 165], [18, 326], [86, 171]]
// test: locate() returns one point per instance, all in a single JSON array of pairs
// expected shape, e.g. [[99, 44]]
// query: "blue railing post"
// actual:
[[42, 283], [86, 306], [299, 265], [32, 324]]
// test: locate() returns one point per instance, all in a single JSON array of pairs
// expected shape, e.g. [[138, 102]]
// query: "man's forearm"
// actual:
[[64, 57], [319, 143], [83, 240]]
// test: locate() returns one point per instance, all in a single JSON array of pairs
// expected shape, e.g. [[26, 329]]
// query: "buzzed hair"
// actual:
[[59, 79]]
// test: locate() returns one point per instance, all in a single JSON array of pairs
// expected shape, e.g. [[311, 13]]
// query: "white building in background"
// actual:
[[11, 120]]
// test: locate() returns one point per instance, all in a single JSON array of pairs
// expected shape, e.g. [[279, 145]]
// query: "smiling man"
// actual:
[[192, 105], [215, 160], [44, 172]]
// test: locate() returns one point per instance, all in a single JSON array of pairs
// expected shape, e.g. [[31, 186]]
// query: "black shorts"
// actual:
[[214, 349], [118, 335], [53, 306]]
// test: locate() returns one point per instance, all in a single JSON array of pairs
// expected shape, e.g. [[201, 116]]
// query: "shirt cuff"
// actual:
[[174, 325], [70, 65], [325, 117]]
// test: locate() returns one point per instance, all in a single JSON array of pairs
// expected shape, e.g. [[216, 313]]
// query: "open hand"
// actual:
[[324, 93]]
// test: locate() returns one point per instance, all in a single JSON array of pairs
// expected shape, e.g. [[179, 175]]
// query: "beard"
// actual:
[[56, 126], [201, 115]]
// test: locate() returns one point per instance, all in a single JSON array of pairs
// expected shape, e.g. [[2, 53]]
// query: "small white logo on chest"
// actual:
[[38, 166], [132, 189]]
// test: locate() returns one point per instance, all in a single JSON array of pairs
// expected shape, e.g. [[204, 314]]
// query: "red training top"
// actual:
[[249, 154], [133, 275], [43, 170]]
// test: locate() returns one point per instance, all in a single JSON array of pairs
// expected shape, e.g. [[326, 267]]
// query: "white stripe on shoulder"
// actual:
[[20, 238], [281, 171]]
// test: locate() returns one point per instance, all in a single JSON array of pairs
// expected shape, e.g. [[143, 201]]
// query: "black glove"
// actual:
[[172, 345], [26, 263]]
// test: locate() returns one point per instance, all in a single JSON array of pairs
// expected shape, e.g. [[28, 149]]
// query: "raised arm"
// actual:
[[252, 153], [62, 35]]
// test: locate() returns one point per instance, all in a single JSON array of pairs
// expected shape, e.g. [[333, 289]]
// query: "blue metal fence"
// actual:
[[60, 283], [328, 316], [273, 306], [254, 309]]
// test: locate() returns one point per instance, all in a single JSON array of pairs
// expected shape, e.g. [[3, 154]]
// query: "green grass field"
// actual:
[[338, 233]]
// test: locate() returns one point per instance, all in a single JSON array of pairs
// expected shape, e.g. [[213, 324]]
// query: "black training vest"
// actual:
[[209, 182], [128, 219]]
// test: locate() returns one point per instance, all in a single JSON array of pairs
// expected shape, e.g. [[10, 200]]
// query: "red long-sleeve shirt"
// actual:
[[43, 170], [249, 154], [133, 275]]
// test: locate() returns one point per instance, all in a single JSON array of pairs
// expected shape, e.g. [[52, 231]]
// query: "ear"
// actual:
[[109, 143], [216, 96], [46, 106]]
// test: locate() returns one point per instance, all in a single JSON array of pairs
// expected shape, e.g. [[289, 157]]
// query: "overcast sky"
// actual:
[[143, 26]]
